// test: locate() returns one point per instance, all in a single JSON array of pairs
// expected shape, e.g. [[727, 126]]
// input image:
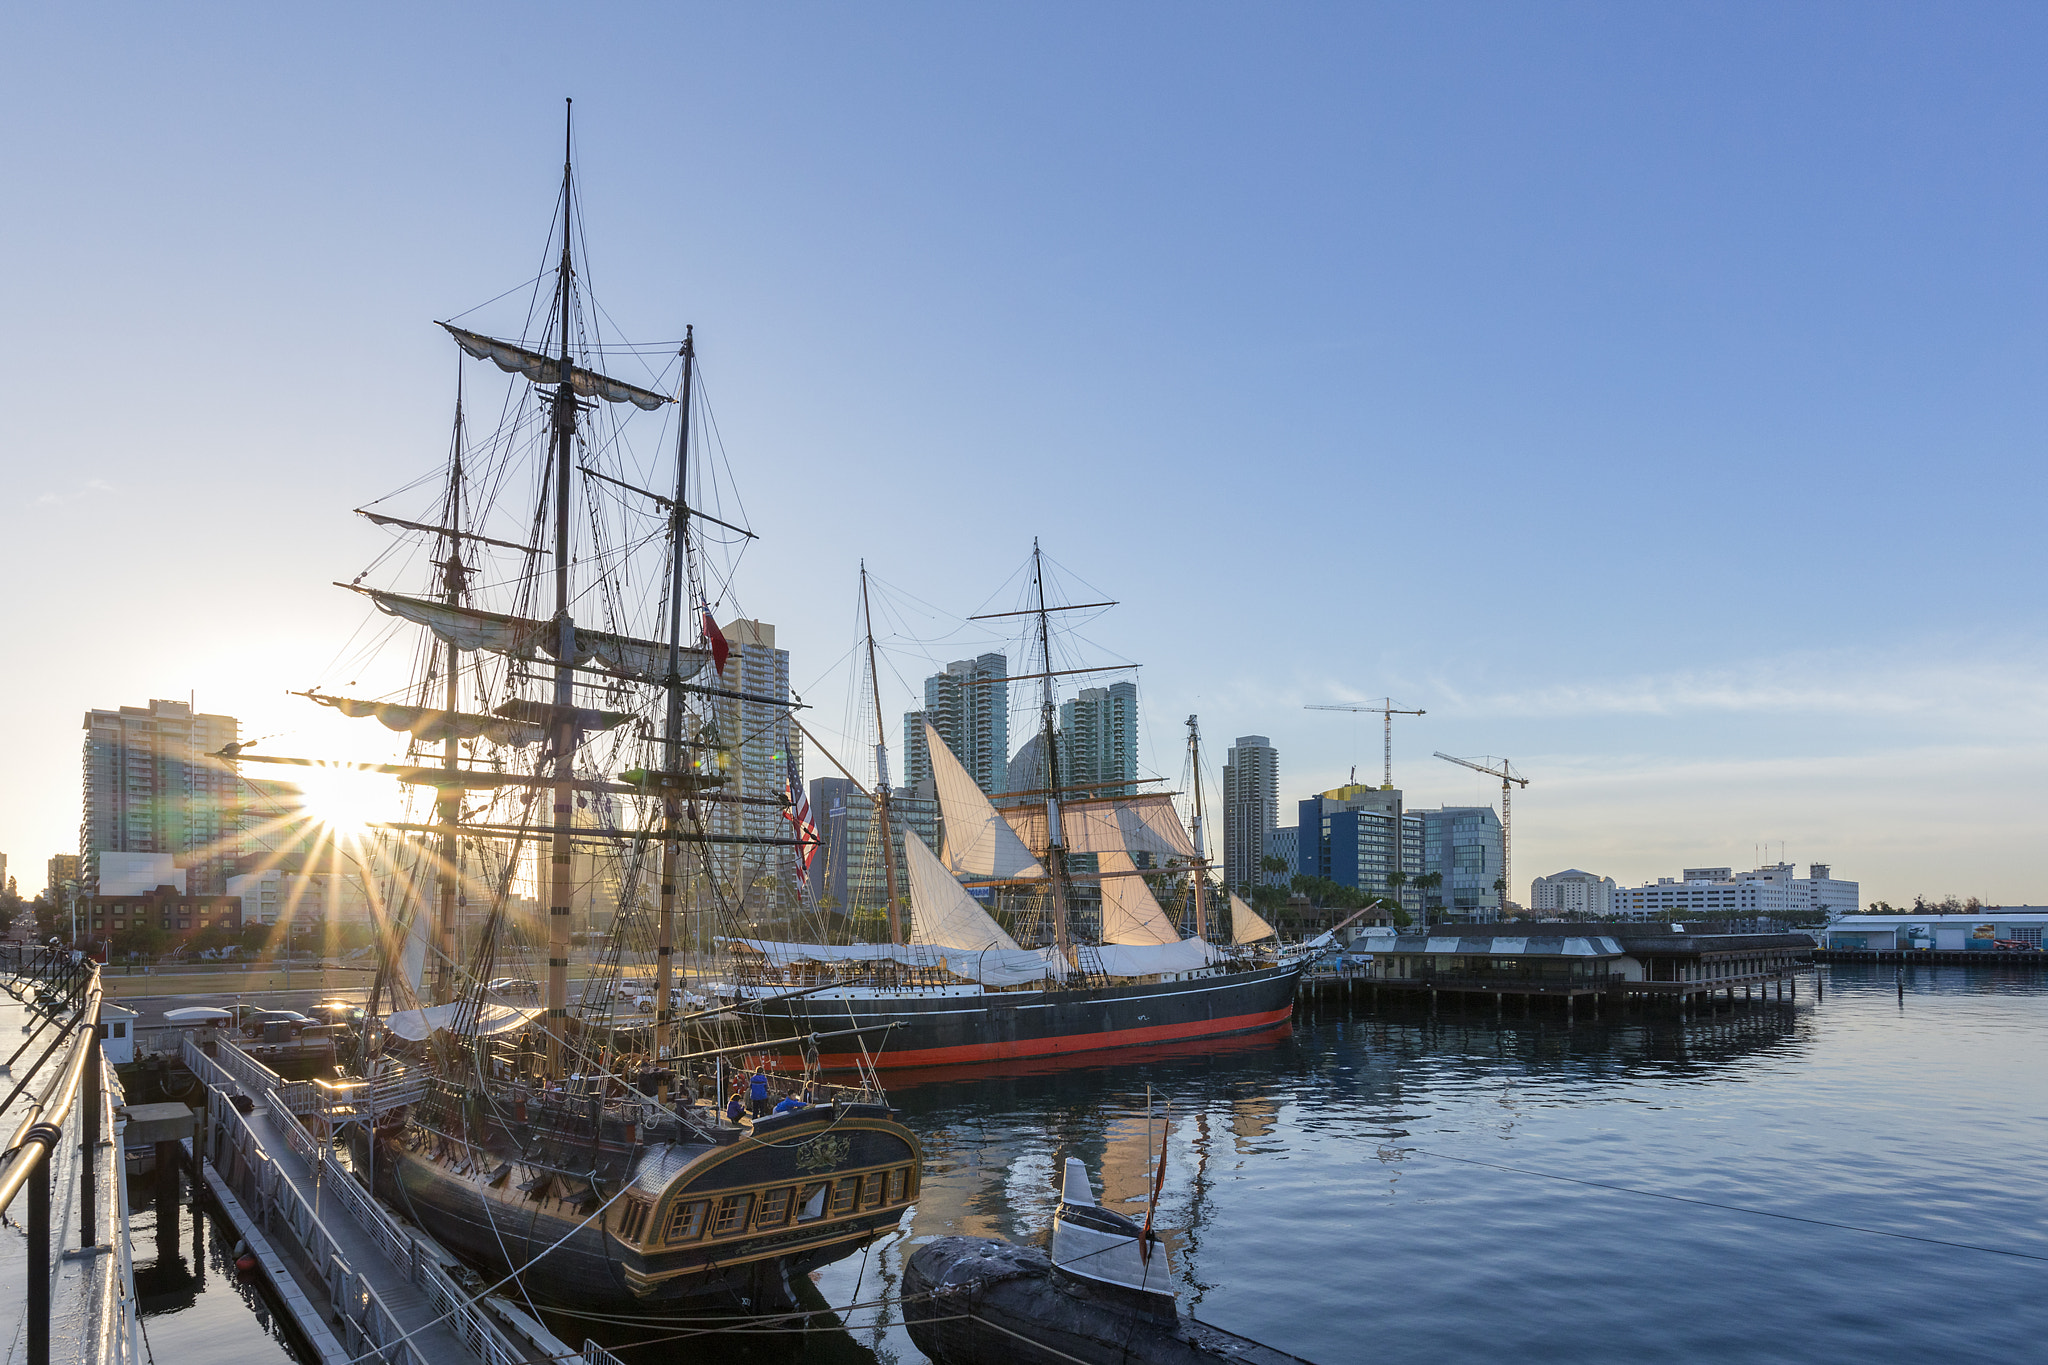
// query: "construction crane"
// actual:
[[1508, 781], [1386, 708]]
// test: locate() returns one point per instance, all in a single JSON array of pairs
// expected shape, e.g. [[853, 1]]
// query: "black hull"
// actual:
[[497, 1228], [969, 1300], [938, 1029]]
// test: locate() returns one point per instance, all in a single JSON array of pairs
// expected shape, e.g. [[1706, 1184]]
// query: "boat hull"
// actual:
[[946, 1029], [567, 1257], [969, 1300]]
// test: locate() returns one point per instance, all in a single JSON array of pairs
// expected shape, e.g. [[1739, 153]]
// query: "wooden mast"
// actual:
[[448, 800], [564, 419], [1055, 850], [672, 732], [1201, 856], [882, 771]]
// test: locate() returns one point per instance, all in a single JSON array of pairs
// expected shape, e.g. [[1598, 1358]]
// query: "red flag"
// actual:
[[715, 639]]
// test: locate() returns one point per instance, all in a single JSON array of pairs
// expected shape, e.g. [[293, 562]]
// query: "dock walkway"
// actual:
[[387, 1290]]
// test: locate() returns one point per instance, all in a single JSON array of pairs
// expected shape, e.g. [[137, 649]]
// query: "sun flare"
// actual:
[[345, 800]]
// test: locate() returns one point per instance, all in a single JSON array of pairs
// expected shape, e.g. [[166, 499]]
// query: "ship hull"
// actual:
[[565, 1256], [951, 1029]]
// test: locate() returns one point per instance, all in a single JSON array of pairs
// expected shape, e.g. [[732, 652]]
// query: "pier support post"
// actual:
[[39, 1263], [89, 1134], [1571, 1005], [1432, 1002]]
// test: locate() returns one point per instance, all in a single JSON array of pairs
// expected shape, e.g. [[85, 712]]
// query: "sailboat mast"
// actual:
[[560, 880], [672, 728], [1201, 858], [448, 803], [1055, 852], [882, 771]]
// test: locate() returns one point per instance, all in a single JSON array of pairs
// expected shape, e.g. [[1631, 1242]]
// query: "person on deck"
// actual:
[[735, 1108], [790, 1104], [757, 1091]]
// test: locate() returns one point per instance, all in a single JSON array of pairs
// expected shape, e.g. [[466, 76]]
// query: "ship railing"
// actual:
[[367, 1323]]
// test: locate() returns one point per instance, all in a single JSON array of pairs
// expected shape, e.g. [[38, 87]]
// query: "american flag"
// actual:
[[798, 814]]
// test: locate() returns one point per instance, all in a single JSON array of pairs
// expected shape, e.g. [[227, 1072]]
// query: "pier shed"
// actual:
[[1569, 961]]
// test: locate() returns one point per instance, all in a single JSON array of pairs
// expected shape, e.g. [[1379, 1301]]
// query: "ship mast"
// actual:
[[672, 728], [882, 770], [448, 800], [1055, 852], [564, 422], [1201, 858]]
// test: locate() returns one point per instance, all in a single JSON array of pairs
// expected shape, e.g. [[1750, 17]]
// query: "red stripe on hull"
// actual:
[[1045, 1047]]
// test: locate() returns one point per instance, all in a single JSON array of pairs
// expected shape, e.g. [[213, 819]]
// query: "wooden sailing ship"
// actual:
[[580, 1148], [956, 987]]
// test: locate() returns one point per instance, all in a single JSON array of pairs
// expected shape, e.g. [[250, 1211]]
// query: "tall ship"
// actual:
[[1066, 948], [571, 726]]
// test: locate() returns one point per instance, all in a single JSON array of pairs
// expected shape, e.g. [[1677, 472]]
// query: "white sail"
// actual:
[[1245, 924], [522, 638], [546, 369], [978, 842], [941, 912], [412, 959], [427, 723], [1130, 915], [1132, 824]]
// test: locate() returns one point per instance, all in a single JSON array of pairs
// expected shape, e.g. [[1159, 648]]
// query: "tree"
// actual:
[[143, 938], [1274, 864]]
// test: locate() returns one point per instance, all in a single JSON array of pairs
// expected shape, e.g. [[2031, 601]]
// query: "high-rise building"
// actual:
[[756, 740], [1098, 739], [969, 705], [62, 868], [847, 876], [1251, 810], [1573, 892], [1462, 844], [1359, 836], [150, 787]]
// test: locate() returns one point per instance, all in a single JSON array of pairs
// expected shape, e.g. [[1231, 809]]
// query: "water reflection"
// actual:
[[1302, 1205]]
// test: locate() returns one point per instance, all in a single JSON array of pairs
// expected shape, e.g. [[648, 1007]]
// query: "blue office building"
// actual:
[[1348, 834]]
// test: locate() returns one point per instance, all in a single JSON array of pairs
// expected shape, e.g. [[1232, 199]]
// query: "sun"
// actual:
[[346, 800]]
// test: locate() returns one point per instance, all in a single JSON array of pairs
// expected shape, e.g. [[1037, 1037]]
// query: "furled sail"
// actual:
[[1134, 824], [378, 518], [1129, 912], [427, 723], [546, 369], [941, 912], [522, 638], [979, 842], [990, 966], [1142, 959], [1245, 924]]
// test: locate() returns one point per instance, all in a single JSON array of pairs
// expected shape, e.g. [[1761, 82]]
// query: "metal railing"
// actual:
[[60, 984], [372, 1324]]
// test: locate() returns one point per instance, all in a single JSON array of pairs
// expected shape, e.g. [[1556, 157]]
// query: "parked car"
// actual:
[[254, 1022], [337, 1012], [513, 988]]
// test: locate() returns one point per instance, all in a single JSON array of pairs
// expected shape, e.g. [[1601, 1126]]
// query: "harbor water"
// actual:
[[1322, 1196]]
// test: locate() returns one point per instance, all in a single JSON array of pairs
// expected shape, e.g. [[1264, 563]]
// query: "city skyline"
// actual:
[[1682, 376]]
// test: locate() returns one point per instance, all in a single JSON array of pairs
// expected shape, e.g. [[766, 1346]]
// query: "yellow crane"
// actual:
[[1505, 771], [1385, 708]]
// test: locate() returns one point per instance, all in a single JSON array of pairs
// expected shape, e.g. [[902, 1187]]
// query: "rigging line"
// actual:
[[1733, 1208], [455, 317]]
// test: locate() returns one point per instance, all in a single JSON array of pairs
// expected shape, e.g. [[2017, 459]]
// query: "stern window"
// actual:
[[732, 1213], [812, 1204], [899, 1184], [844, 1195], [774, 1208], [686, 1221], [871, 1191]]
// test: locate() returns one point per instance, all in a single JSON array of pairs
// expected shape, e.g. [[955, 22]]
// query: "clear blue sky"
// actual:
[[1651, 392]]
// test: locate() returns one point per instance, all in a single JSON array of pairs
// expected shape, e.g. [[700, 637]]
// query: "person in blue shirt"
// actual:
[[734, 1108], [757, 1090], [790, 1104]]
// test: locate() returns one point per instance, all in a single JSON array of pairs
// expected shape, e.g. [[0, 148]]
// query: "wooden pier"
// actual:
[[1931, 957], [1594, 997]]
